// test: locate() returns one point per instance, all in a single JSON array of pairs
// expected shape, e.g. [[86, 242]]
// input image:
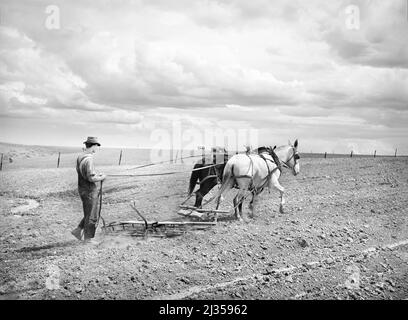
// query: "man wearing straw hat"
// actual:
[[88, 190]]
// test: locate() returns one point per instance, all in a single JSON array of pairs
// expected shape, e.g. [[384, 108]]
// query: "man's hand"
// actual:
[[97, 177]]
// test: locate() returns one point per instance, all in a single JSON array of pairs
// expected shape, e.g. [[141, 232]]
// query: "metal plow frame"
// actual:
[[155, 228], [160, 229]]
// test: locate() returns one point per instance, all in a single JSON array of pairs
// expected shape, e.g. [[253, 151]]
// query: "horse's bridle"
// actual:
[[296, 157]]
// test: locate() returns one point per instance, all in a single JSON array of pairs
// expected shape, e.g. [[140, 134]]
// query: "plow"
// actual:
[[163, 229], [200, 219], [144, 228]]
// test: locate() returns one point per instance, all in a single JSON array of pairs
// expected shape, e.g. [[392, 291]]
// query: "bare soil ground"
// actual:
[[344, 237]]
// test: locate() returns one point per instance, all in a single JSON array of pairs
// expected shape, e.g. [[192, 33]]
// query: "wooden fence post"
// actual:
[[175, 160], [202, 154], [1, 162], [181, 156], [59, 157], [214, 155], [120, 157], [225, 149], [375, 153]]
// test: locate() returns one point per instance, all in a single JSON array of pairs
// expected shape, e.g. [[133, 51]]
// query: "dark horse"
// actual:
[[207, 178]]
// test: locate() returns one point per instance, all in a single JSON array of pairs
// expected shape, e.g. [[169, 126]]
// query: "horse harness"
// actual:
[[295, 156], [279, 163], [213, 173], [275, 161], [270, 172]]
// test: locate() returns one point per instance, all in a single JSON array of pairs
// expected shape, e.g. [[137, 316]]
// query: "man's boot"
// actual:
[[91, 241], [77, 233], [90, 234]]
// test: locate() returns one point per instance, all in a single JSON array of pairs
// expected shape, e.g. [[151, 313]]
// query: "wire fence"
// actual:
[[142, 157]]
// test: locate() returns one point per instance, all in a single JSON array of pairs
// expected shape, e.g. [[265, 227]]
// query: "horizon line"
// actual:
[[150, 148]]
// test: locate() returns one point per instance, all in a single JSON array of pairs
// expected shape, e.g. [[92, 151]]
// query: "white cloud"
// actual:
[[142, 64]]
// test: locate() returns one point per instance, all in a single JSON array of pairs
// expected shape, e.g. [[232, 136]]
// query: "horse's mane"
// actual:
[[281, 147], [261, 149]]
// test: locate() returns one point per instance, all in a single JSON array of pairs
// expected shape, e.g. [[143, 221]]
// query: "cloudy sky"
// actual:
[[321, 71]]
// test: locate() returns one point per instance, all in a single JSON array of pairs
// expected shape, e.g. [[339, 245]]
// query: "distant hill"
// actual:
[[20, 151], [17, 156]]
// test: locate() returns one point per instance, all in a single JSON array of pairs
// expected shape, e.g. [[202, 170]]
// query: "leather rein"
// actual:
[[295, 155]]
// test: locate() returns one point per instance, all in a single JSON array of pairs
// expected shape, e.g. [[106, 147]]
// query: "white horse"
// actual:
[[254, 172]]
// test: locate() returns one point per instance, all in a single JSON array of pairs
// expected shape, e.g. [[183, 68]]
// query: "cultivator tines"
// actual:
[[155, 228], [161, 229], [124, 226]]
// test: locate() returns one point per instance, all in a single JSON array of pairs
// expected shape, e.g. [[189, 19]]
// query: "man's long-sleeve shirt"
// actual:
[[86, 173]]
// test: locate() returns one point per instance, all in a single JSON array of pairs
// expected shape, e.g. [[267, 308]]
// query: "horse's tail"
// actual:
[[221, 171], [193, 179], [227, 176]]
